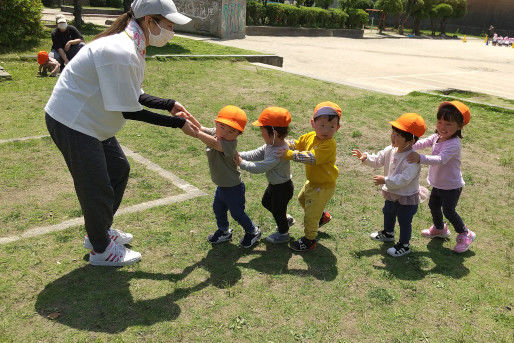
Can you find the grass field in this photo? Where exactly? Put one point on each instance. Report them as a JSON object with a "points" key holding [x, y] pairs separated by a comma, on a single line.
{"points": [[184, 290]]}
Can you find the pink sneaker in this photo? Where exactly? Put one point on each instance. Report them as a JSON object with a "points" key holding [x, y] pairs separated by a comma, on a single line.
{"points": [[464, 240], [433, 232]]}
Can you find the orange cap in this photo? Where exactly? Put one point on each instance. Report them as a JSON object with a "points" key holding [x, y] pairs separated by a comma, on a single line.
{"points": [[326, 108], [273, 116], [232, 116], [42, 57], [463, 109], [410, 122]]}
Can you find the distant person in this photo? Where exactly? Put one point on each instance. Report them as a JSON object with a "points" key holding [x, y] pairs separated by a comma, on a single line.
{"points": [[66, 41], [490, 34], [47, 64], [495, 39]]}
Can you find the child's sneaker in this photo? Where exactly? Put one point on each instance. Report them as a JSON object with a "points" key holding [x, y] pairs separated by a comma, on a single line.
{"points": [[398, 250], [250, 239], [434, 232], [220, 236], [290, 220], [464, 240], [278, 237], [116, 255], [382, 236], [325, 218], [115, 235], [303, 244]]}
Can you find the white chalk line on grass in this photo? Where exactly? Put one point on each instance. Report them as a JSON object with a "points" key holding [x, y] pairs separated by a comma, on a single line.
{"points": [[190, 193]]}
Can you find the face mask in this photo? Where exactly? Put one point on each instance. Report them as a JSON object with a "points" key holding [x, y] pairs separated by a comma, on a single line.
{"points": [[162, 38], [62, 26]]}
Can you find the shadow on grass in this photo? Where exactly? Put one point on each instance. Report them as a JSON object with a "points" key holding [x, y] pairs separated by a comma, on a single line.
{"points": [[99, 299], [413, 266]]}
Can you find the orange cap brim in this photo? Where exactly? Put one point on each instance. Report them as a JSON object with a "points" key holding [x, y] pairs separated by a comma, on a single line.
{"points": [[230, 123]]}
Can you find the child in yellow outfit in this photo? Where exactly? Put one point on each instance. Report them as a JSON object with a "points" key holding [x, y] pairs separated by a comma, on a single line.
{"points": [[317, 150]]}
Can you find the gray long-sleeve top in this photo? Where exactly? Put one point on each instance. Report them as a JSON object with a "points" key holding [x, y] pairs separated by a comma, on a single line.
{"points": [[263, 160]]}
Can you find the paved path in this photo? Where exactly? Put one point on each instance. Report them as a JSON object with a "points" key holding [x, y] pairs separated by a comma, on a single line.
{"points": [[395, 66], [392, 65]]}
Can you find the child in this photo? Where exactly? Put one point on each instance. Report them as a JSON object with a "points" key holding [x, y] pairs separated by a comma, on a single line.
{"points": [[444, 174], [221, 144], [317, 150], [274, 124], [46, 64], [400, 183]]}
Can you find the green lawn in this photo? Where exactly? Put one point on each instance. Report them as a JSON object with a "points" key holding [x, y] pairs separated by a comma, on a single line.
{"points": [[184, 290]]}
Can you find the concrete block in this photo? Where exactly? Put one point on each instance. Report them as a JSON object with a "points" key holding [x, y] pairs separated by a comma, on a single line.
{"points": [[302, 31], [225, 19]]}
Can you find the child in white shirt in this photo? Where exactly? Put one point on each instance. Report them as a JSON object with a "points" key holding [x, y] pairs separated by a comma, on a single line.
{"points": [[400, 183]]}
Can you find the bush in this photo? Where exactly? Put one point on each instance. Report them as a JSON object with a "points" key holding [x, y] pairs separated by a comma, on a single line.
{"points": [[357, 18], [255, 13], [19, 20], [275, 14], [51, 3]]}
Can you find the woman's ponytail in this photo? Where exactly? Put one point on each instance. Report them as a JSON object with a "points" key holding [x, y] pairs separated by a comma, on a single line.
{"points": [[117, 26]]}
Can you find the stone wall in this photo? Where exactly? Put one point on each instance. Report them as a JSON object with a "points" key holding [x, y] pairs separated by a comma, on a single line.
{"points": [[225, 19]]}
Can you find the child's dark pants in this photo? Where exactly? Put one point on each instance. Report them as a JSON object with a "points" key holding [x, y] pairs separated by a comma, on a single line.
{"points": [[404, 213], [447, 199], [275, 200]]}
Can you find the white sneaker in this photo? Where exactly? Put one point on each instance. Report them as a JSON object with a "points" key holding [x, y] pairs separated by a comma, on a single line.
{"points": [[116, 255], [117, 236]]}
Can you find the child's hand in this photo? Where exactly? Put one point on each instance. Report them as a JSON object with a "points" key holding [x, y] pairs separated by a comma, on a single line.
{"points": [[237, 159], [379, 179], [178, 108], [359, 155], [413, 157], [279, 153], [190, 129]]}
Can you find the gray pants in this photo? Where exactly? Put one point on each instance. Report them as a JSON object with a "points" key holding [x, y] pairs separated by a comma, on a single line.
{"points": [[100, 173]]}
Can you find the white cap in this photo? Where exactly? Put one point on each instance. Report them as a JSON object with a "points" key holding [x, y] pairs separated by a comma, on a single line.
{"points": [[60, 19], [166, 8]]}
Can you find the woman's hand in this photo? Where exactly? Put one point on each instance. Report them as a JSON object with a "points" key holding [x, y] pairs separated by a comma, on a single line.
{"points": [[379, 179], [413, 157], [178, 108], [190, 129], [189, 116], [359, 155]]}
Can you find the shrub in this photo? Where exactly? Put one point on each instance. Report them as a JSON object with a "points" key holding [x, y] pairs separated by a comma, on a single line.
{"points": [[292, 15], [255, 13], [275, 14], [339, 18], [19, 20], [357, 18]]}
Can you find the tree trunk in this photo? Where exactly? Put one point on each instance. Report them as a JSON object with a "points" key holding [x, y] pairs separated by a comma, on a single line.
{"points": [[417, 23], [77, 13], [432, 26], [443, 26]]}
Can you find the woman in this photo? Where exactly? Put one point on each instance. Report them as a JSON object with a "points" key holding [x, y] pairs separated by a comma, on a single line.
{"points": [[96, 93], [66, 41]]}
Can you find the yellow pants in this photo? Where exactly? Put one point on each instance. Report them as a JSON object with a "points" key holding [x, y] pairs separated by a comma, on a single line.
{"points": [[313, 200]]}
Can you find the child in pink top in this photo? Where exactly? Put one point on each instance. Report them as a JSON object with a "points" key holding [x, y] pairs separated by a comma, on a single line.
{"points": [[444, 174]]}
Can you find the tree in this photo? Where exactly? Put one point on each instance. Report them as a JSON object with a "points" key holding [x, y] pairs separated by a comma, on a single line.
{"points": [[411, 8], [443, 12], [389, 7], [20, 21], [362, 4], [77, 13]]}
